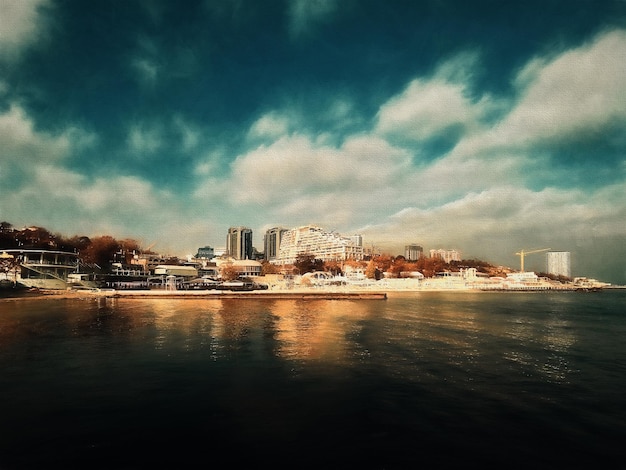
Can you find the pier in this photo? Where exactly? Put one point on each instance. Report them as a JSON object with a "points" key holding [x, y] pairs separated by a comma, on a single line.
{"points": [[219, 294]]}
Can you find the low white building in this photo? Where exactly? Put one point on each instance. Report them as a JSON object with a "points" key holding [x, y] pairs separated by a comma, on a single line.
{"points": [[244, 267]]}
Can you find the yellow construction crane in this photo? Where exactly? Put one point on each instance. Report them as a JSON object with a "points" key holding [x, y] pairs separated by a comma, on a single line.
{"points": [[522, 253]]}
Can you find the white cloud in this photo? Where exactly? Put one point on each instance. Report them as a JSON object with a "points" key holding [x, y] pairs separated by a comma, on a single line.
{"points": [[582, 89], [431, 106], [144, 138], [494, 223], [271, 125], [22, 145], [190, 134], [305, 14], [296, 167], [20, 25]]}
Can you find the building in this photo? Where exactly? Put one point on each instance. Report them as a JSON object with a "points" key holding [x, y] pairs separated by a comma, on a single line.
{"points": [[206, 252], [413, 252], [326, 246], [244, 267], [44, 269], [357, 240], [272, 241], [558, 263], [446, 255], [239, 243]]}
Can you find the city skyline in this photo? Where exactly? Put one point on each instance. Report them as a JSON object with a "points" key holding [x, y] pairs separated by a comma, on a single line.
{"points": [[487, 127]]}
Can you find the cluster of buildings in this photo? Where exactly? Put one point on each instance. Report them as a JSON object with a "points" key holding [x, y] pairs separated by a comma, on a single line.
{"points": [[282, 246]]}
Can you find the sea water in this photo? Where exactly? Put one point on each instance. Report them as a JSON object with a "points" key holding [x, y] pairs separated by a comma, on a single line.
{"points": [[419, 380]]}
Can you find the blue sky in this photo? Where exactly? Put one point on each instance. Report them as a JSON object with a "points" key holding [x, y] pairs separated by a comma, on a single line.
{"points": [[484, 126]]}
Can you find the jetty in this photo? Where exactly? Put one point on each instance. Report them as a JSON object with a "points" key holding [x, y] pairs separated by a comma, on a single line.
{"points": [[295, 294]]}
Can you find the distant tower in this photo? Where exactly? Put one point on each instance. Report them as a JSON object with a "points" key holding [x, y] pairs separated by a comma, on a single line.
{"points": [[239, 242], [558, 263], [413, 252], [272, 241], [357, 240]]}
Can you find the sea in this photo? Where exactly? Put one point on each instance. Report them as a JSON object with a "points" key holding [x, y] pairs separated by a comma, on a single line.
{"points": [[417, 380]]}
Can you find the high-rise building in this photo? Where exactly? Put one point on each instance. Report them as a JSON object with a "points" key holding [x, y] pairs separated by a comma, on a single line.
{"points": [[326, 246], [272, 241], [446, 255], [413, 252], [357, 240], [558, 263], [239, 243]]}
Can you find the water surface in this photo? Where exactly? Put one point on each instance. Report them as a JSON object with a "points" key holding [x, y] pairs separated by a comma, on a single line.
{"points": [[503, 379]]}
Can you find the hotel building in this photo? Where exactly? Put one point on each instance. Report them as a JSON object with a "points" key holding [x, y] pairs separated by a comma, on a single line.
{"points": [[272, 241], [326, 246], [239, 243]]}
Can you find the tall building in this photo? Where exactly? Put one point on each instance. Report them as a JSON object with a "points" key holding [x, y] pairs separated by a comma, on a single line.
{"points": [[446, 255], [327, 246], [558, 263], [272, 241], [357, 240], [239, 243], [413, 252]]}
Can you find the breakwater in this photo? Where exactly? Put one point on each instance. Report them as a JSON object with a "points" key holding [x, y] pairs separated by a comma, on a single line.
{"points": [[251, 295]]}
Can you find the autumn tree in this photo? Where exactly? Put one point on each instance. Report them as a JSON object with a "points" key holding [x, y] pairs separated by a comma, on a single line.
{"points": [[229, 272], [307, 263], [268, 268], [334, 267], [100, 251], [372, 271]]}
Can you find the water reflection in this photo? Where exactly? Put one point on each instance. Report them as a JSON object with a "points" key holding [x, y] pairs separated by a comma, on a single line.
{"points": [[317, 330]]}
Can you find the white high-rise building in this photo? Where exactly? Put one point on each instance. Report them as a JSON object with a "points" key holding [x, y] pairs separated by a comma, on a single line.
{"points": [[413, 252], [327, 246], [558, 263], [446, 255]]}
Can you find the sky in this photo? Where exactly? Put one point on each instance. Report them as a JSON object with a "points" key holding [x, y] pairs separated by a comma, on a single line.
{"points": [[488, 127]]}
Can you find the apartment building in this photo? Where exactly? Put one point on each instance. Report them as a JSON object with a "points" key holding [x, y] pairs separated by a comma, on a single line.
{"points": [[327, 246]]}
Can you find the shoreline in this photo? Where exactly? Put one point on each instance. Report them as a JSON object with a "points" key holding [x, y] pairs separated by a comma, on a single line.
{"points": [[278, 294]]}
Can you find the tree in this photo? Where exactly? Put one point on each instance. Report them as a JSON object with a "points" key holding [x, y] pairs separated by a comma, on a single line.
{"points": [[100, 251], [268, 268], [372, 272], [334, 267], [307, 263], [229, 272]]}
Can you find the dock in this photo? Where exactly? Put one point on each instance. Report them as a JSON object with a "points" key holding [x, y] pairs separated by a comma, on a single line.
{"points": [[249, 295]]}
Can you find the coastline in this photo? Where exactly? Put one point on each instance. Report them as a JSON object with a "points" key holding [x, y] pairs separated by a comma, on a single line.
{"points": [[276, 291]]}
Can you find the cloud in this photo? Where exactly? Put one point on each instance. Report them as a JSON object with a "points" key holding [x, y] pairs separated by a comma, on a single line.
{"points": [[304, 15], [22, 146], [144, 138], [296, 166], [20, 25], [271, 125], [493, 223], [580, 90], [429, 107]]}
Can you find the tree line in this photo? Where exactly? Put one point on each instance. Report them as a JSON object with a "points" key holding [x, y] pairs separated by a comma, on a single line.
{"points": [[99, 251]]}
